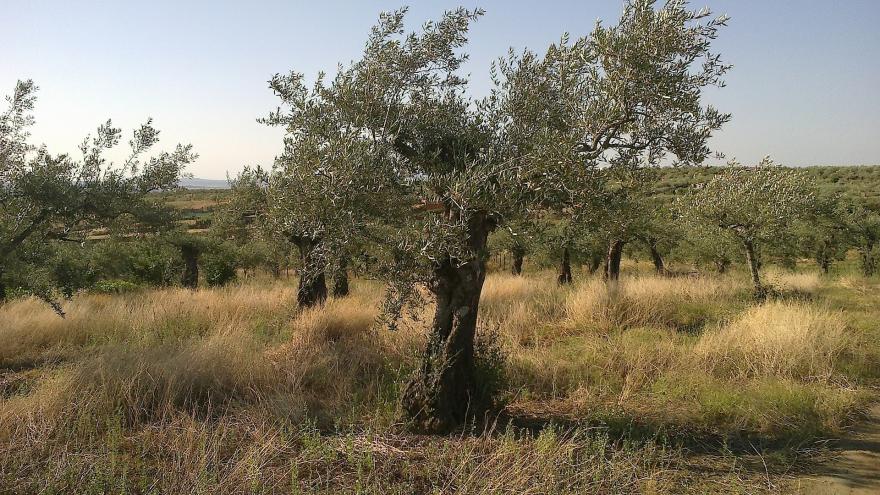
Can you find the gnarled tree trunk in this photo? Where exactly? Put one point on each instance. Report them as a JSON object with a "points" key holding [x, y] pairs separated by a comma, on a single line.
{"points": [[656, 257], [445, 392], [312, 289], [340, 278], [752, 260], [565, 268], [518, 253], [823, 258], [190, 254], [612, 260]]}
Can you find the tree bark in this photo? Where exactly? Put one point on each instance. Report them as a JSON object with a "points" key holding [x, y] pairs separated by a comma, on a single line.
{"points": [[312, 290], [752, 260], [869, 265], [656, 258], [612, 260], [823, 258], [190, 277], [340, 278], [446, 391], [518, 253], [565, 268]]}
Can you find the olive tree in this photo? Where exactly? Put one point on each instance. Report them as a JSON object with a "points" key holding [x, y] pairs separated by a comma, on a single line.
{"points": [[322, 189], [823, 234], [752, 204], [46, 197], [863, 226], [456, 168]]}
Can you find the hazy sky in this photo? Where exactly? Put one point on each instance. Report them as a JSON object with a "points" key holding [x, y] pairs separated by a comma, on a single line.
{"points": [[804, 87]]}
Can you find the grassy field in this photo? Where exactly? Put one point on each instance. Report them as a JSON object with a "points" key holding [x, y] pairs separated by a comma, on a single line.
{"points": [[655, 385]]}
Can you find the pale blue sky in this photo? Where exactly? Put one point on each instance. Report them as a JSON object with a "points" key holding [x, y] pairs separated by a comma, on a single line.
{"points": [[804, 87]]}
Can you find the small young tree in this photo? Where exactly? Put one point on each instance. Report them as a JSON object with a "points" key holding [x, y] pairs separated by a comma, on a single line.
{"points": [[752, 204], [46, 198]]}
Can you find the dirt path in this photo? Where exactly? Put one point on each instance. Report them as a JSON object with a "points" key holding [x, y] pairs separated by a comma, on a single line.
{"points": [[856, 468]]}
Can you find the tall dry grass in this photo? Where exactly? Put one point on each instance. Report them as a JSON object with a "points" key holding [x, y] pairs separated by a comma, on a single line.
{"points": [[786, 339], [646, 301], [201, 353], [802, 283], [31, 331], [235, 391], [521, 310]]}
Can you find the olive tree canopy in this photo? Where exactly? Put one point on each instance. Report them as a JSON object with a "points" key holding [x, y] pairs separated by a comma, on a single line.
{"points": [[398, 127], [752, 204], [46, 197]]}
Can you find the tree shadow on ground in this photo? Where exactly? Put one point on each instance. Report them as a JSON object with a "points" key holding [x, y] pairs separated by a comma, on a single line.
{"points": [[628, 428]]}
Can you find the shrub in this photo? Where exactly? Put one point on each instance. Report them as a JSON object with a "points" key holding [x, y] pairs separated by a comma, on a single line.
{"points": [[73, 269], [219, 265]]}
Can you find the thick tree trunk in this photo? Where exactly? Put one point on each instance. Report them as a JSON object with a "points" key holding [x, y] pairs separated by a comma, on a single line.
{"points": [[752, 260], [565, 268], [340, 278], [656, 258], [823, 259], [190, 254], [612, 260], [446, 391], [518, 253], [312, 290]]}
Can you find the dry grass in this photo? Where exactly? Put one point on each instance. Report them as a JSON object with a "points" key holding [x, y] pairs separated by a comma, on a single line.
{"points": [[790, 340], [31, 331], [646, 301], [805, 283], [521, 310], [232, 390]]}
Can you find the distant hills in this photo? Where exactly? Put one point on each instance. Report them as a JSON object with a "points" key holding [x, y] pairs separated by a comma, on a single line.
{"points": [[196, 183]]}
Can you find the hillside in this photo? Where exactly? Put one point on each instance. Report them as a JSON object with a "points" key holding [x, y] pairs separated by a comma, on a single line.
{"points": [[854, 181]]}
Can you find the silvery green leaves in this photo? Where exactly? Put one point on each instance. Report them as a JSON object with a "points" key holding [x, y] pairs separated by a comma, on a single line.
{"points": [[753, 203], [396, 128], [45, 198], [646, 82], [14, 124]]}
